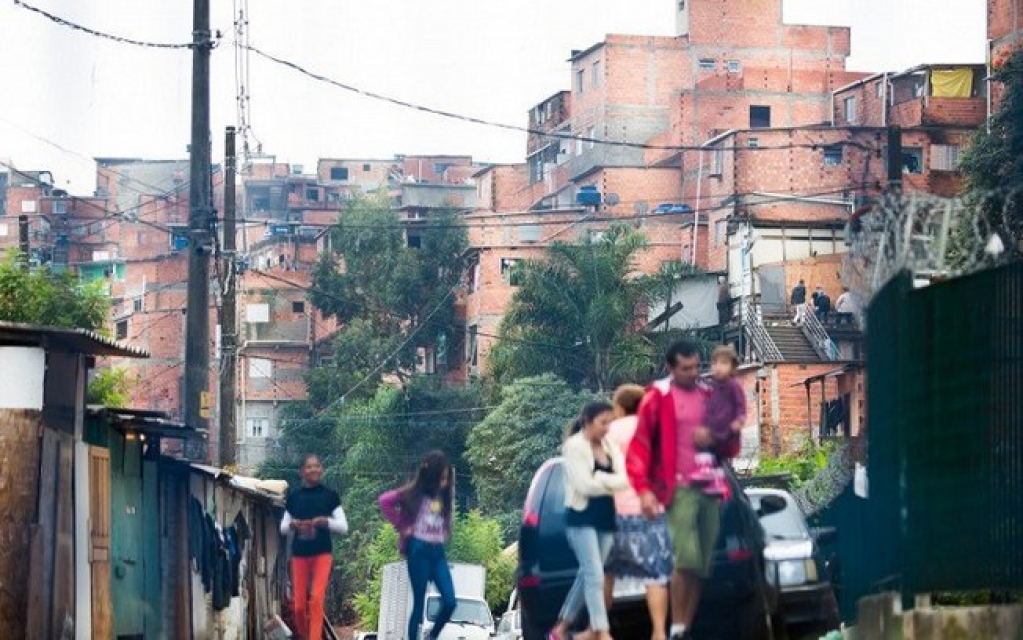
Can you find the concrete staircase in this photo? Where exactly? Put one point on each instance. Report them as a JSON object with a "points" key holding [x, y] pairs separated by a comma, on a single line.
{"points": [[790, 340]]}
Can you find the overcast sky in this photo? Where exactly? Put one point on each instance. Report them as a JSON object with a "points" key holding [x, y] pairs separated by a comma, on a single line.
{"points": [[482, 58]]}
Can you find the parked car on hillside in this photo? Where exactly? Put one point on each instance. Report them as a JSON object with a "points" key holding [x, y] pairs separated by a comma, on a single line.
{"points": [[738, 601], [796, 566]]}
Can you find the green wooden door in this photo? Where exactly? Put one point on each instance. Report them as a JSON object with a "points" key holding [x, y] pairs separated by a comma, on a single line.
{"points": [[127, 539]]}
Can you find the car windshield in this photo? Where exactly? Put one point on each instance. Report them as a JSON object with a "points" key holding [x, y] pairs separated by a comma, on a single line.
{"points": [[466, 611], [787, 524]]}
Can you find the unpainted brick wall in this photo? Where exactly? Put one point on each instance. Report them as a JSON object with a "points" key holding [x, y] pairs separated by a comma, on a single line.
{"points": [[19, 471]]}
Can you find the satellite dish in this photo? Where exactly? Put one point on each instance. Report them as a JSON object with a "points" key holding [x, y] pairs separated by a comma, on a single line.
{"points": [[641, 208], [611, 199]]}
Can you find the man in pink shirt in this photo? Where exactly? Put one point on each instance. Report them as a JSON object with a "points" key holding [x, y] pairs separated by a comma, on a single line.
{"points": [[660, 460]]}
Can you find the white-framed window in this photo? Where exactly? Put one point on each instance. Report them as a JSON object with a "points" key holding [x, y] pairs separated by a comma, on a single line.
{"points": [[28, 206], [257, 427], [580, 81], [261, 368], [753, 143], [708, 64], [912, 160], [945, 157], [4, 229], [598, 72], [734, 66], [60, 207], [719, 162], [850, 110]]}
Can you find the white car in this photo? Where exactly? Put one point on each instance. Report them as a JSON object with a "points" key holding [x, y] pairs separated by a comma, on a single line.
{"points": [[510, 627]]}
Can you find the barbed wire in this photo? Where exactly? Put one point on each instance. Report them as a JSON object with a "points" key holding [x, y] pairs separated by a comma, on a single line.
{"points": [[64, 22], [931, 236]]}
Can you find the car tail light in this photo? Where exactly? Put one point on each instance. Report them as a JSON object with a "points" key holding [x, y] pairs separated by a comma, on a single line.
{"points": [[529, 582], [531, 519]]}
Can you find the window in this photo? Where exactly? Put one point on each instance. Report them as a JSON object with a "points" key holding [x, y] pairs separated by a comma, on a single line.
{"points": [[260, 368], [257, 427], [734, 66], [4, 230], [912, 160], [366, 168], [28, 206], [298, 306], [474, 278], [529, 233], [753, 143], [720, 231], [580, 80], [879, 88], [598, 71], [833, 155], [121, 330], [471, 346], [591, 133], [719, 162], [326, 361], [60, 207], [945, 157], [313, 195], [708, 64], [413, 241], [137, 305], [339, 173], [759, 116], [511, 271], [850, 110]]}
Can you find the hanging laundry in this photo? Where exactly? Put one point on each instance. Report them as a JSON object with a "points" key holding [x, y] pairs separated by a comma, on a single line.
{"points": [[952, 83]]}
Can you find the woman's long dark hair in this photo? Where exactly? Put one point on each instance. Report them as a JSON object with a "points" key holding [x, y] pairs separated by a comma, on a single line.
{"points": [[589, 413], [426, 484]]}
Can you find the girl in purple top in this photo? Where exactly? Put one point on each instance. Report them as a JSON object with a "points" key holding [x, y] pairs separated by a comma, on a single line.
{"points": [[725, 417], [421, 511]]}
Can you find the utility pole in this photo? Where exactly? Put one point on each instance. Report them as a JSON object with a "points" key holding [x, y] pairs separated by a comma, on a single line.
{"points": [[228, 312], [197, 336], [23, 244], [894, 159]]}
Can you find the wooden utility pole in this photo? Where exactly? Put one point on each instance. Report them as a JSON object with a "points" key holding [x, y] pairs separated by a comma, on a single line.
{"points": [[228, 313], [23, 243], [197, 331]]}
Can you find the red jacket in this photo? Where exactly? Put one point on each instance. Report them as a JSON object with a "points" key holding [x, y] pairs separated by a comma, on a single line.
{"points": [[650, 461]]}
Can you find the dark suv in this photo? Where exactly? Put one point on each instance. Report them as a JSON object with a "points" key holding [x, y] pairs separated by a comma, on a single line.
{"points": [[738, 602]]}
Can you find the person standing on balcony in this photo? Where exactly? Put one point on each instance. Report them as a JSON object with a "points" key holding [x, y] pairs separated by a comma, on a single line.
{"points": [[798, 301], [846, 306]]}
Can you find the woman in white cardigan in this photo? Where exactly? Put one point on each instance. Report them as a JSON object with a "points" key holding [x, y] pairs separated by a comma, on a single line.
{"points": [[594, 470]]}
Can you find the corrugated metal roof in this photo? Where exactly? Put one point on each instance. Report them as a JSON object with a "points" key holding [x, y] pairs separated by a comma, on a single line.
{"points": [[64, 339], [155, 423]]}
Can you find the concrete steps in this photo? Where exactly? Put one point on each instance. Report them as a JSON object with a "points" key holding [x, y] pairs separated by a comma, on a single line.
{"points": [[790, 340]]}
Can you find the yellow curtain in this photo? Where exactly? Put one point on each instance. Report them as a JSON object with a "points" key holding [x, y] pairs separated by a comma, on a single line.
{"points": [[952, 83]]}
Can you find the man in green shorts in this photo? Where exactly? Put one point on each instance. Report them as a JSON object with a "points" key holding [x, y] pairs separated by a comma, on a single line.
{"points": [[660, 460]]}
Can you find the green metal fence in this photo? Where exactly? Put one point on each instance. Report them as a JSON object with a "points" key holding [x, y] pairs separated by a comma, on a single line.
{"points": [[945, 441]]}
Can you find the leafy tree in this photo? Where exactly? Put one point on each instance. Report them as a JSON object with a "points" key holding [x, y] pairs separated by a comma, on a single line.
{"points": [[575, 314], [391, 287], [993, 164], [110, 387], [526, 428], [45, 297]]}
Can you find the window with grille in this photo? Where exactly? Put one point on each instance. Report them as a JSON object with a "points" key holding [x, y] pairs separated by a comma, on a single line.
{"points": [[833, 155], [945, 157]]}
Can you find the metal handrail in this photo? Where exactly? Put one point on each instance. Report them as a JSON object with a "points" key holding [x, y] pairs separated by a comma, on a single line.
{"points": [[818, 336], [761, 339]]}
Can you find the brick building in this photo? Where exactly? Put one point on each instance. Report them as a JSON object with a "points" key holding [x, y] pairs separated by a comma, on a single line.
{"points": [[1005, 35]]}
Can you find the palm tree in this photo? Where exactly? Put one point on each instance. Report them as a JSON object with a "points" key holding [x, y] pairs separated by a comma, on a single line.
{"points": [[576, 314]]}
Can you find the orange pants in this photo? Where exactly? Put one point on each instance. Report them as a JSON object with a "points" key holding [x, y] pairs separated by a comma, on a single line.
{"points": [[309, 576]]}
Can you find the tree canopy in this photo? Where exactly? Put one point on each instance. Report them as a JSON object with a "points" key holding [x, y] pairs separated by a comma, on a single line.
{"points": [[993, 164], [46, 297], [575, 314], [391, 286], [509, 445]]}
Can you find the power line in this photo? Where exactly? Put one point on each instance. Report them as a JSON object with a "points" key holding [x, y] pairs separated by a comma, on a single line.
{"points": [[64, 22], [294, 66]]}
